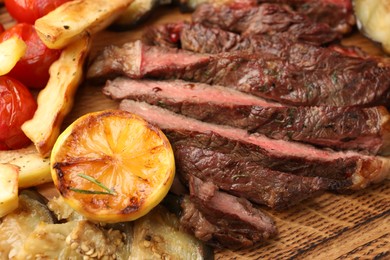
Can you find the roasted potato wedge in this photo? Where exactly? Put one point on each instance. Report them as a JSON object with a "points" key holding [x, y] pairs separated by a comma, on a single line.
{"points": [[191, 5], [56, 99], [134, 14], [11, 51], [76, 19], [373, 18], [33, 168], [9, 188]]}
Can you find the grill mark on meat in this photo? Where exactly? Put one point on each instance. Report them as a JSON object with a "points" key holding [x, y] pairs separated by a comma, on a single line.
{"points": [[348, 81], [337, 14], [223, 220], [266, 19], [229, 169], [198, 38], [278, 155], [338, 127]]}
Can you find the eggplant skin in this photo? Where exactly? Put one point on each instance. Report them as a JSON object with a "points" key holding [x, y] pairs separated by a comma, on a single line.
{"points": [[159, 234], [135, 14], [373, 20], [31, 211]]}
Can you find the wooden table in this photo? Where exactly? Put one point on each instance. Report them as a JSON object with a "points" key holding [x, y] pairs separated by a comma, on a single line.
{"points": [[332, 226]]}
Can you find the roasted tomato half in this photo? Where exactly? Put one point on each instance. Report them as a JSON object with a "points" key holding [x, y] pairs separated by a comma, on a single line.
{"points": [[33, 69], [27, 11], [16, 106]]}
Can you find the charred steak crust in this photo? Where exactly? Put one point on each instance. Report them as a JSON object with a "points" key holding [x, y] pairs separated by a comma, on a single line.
{"points": [[277, 155], [348, 81], [265, 19], [337, 14], [337, 127], [233, 170], [223, 220]]}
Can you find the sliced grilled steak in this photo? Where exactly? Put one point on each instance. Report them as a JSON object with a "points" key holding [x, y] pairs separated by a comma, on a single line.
{"points": [[179, 91], [337, 127], [268, 19], [337, 14], [199, 38], [241, 175], [278, 155], [223, 220], [347, 81]]}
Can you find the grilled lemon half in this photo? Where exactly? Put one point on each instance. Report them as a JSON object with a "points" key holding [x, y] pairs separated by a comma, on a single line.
{"points": [[112, 166]]}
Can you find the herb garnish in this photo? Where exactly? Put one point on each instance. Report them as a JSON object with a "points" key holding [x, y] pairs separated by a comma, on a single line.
{"points": [[93, 180]]}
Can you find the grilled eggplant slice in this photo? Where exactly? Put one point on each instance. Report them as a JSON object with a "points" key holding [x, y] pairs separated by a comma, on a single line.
{"points": [[62, 210], [157, 235], [17, 226], [48, 241]]}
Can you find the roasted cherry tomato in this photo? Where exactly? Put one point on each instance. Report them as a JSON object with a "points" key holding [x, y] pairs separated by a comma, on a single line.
{"points": [[27, 11], [1, 28], [16, 106], [33, 69]]}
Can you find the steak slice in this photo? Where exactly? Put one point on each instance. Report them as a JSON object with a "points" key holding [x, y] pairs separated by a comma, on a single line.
{"points": [[223, 220], [204, 156], [277, 155], [347, 81], [337, 127], [337, 14], [199, 38], [268, 19]]}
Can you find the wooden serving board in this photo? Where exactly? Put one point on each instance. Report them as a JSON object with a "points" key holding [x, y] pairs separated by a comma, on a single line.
{"points": [[332, 226]]}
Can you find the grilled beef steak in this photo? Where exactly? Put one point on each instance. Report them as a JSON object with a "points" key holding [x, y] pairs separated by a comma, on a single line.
{"points": [[223, 220], [277, 155], [348, 81], [199, 38], [265, 19], [338, 127], [337, 14], [241, 174]]}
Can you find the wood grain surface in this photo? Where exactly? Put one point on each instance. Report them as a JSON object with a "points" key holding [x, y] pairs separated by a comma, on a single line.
{"points": [[332, 226]]}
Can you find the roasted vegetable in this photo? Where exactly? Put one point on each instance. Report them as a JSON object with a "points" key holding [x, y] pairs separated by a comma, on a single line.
{"points": [[56, 99], [9, 188], [62, 210], [76, 19], [373, 19], [33, 168], [190, 5], [158, 236], [11, 51], [17, 226], [137, 12], [48, 241]]}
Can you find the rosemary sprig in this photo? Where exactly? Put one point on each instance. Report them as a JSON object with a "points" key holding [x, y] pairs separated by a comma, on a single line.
{"points": [[91, 191], [98, 183]]}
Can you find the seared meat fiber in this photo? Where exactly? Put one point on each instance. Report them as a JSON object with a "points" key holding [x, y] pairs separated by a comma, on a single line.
{"points": [[268, 19], [278, 155], [233, 168], [347, 81], [223, 220], [337, 127], [199, 38], [337, 14]]}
